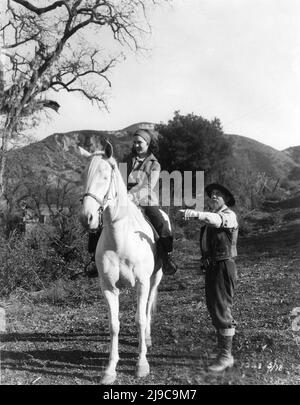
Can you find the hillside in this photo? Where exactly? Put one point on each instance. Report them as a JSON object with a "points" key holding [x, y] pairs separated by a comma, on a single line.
{"points": [[260, 157], [58, 157], [294, 153], [60, 151]]}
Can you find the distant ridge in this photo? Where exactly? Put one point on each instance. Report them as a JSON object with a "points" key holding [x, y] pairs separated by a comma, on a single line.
{"points": [[58, 156], [142, 125], [294, 153], [260, 157]]}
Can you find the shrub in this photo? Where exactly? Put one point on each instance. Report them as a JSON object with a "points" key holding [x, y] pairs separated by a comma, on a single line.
{"points": [[290, 216], [256, 220], [294, 173], [20, 265], [244, 227], [48, 253]]}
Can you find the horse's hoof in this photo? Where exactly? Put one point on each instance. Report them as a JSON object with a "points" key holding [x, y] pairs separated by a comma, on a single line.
{"points": [[108, 379], [142, 370]]}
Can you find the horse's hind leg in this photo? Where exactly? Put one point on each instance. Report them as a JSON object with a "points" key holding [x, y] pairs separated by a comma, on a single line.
{"points": [[112, 298], [155, 280], [142, 367]]}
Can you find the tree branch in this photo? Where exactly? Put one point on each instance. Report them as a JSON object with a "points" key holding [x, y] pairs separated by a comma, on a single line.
{"points": [[21, 42], [89, 96], [53, 105], [42, 10]]}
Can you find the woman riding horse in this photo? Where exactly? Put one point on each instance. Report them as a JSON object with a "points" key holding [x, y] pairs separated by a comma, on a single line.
{"points": [[126, 253], [144, 169]]}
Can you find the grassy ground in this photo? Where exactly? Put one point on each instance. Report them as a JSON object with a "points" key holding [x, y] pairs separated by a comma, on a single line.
{"points": [[60, 335]]}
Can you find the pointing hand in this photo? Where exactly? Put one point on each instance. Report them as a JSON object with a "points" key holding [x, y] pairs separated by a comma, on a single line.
{"points": [[187, 214]]}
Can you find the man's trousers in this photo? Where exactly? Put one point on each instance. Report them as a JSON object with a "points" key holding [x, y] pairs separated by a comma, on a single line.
{"points": [[220, 281]]}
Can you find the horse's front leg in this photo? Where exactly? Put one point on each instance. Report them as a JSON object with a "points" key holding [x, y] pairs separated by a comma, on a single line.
{"points": [[142, 368], [112, 298]]}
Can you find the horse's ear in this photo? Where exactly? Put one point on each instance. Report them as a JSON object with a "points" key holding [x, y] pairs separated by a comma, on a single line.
{"points": [[109, 150], [84, 152]]}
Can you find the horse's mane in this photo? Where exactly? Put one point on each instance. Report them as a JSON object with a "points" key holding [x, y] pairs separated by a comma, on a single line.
{"points": [[122, 196]]}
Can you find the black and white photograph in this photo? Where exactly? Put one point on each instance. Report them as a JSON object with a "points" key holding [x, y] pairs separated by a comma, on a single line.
{"points": [[149, 195]]}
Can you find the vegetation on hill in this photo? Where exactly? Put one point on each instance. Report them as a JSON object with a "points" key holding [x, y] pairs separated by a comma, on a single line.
{"points": [[256, 155], [294, 153]]}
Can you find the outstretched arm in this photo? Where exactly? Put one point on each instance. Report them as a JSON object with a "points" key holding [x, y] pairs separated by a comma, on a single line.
{"points": [[209, 218], [224, 219]]}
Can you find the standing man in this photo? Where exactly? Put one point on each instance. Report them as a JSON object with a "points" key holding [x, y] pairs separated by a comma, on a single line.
{"points": [[218, 238]]}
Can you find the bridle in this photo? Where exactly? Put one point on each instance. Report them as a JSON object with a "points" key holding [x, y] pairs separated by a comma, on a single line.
{"points": [[102, 203]]}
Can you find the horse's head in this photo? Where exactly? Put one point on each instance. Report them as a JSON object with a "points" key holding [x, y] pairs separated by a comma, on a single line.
{"points": [[98, 186]]}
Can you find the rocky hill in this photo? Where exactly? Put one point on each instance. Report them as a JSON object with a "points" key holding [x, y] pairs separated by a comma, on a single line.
{"points": [[60, 153], [58, 156]]}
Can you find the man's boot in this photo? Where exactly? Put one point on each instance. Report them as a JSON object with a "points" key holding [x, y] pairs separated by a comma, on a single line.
{"points": [[225, 358], [216, 349]]}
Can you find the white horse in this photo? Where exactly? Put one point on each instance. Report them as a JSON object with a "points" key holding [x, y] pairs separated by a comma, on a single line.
{"points": [[126, 252]]}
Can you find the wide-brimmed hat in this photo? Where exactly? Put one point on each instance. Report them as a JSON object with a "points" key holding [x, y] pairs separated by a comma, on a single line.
{"points": [[224, 190]]}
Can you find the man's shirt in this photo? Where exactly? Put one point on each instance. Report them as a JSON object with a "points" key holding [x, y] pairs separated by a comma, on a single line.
{"points": [[224, 218]]}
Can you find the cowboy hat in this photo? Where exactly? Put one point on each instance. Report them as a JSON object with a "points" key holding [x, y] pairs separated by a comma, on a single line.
{"points": [[224, 190]]}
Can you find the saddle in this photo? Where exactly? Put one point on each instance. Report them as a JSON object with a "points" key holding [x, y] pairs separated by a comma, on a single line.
{"points": [[155, 233]]}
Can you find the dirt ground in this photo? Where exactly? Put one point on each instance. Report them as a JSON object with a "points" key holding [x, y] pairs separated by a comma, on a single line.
{"points": [[60, 336]]}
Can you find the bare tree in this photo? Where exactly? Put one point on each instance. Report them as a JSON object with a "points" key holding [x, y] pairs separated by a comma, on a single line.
{"points": [[60, 46]]}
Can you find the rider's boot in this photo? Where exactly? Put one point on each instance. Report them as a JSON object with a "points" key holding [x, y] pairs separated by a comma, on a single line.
{"points": [[169, 266], [90, 269]]}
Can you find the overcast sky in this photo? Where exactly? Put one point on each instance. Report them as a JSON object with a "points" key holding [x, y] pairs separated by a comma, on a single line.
{"points": [[238, 60]]}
